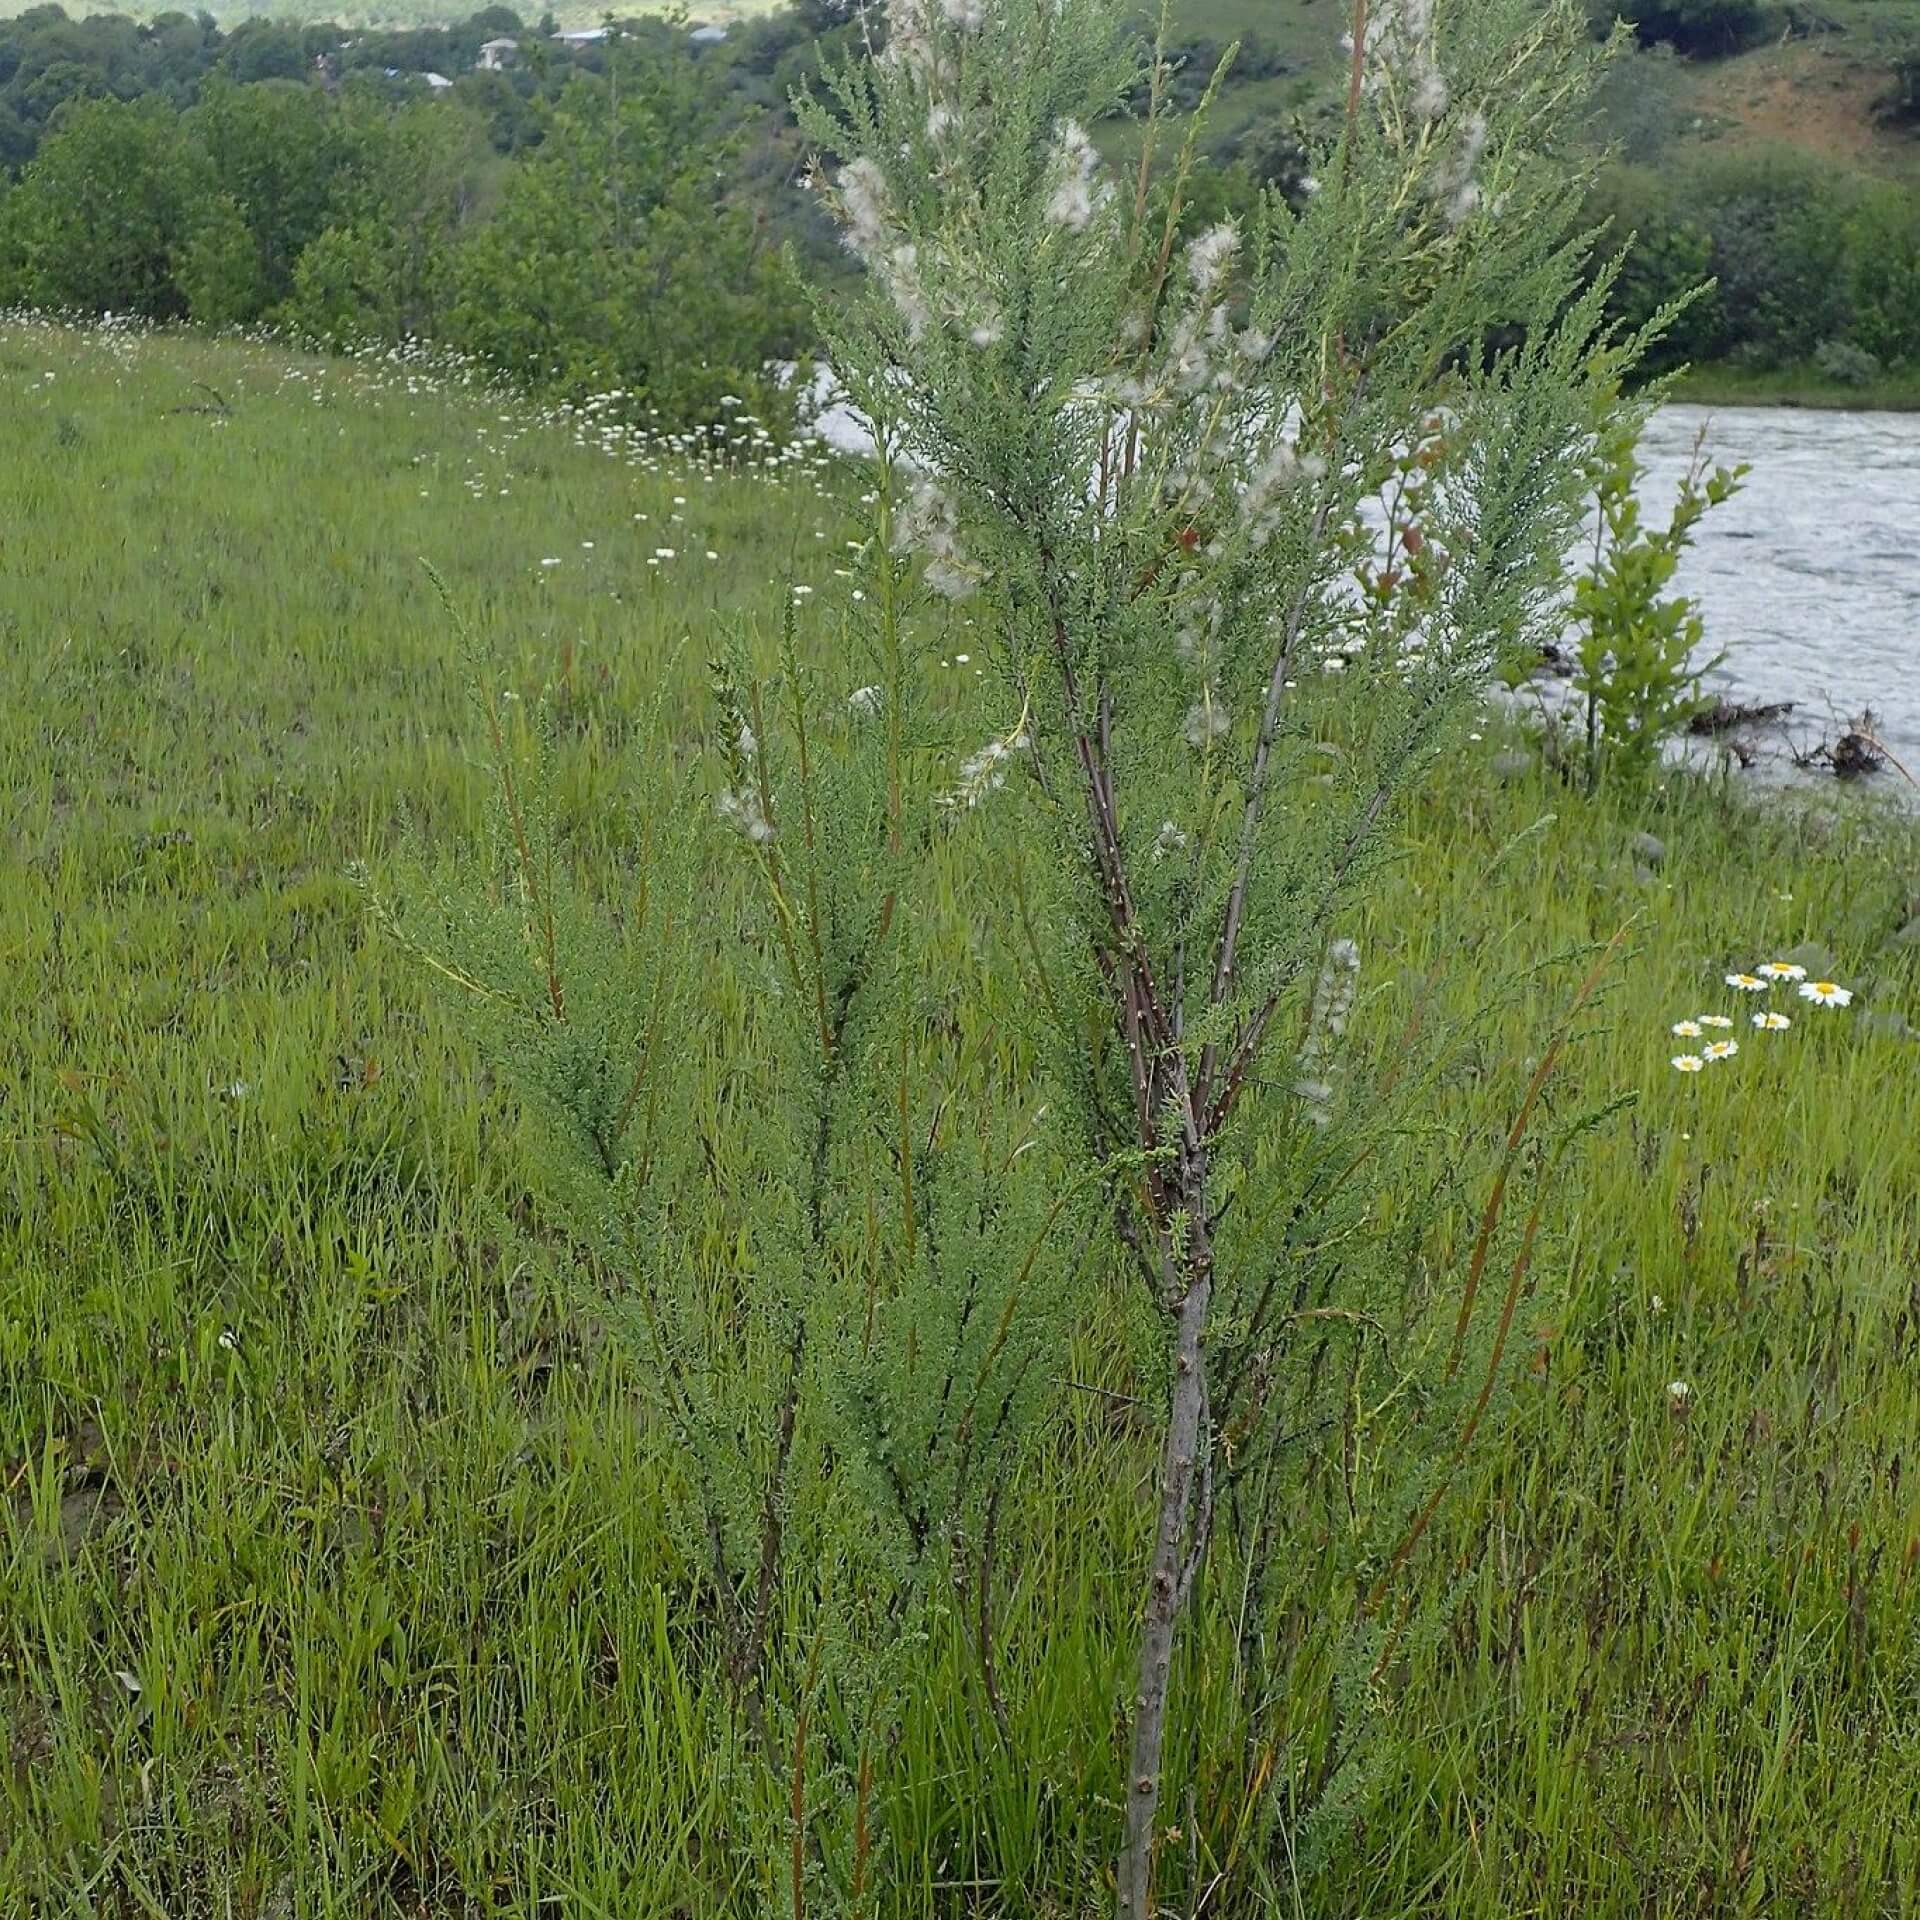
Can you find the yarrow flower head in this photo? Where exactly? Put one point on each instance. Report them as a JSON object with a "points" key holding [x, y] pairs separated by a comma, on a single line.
{"points": [[1747, 982], [1688, 1063], [1772, 1022], [1826, 993]]}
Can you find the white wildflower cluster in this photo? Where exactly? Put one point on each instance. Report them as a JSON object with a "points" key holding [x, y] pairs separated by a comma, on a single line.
{"points": [[870, 233], [1168, 841], [1078, 192], [1210, 257], [740, 808], [1333, 997], [1454, 185], [1400, 56], [1275, 475], [1203, 350], [865, 701], [1198, 634], [985, 772], [914, 33], [930, 525], [866, 209], [1775, 973], [980, 319], [1401, 69], [1204, 359]]}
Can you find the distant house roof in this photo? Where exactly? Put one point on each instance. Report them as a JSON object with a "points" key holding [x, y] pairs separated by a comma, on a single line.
{"points": [[707, 36], [436, 80], [581, 36], [499, 46]]}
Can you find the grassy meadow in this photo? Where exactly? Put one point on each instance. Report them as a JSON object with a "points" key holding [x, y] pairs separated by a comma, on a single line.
{"points": [[335, 1578]]}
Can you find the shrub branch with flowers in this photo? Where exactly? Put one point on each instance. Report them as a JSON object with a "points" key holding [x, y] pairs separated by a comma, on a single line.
{"points": [[1147, 452]]}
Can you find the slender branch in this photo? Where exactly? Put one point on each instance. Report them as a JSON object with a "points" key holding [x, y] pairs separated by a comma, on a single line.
{"points": [[1247, 1049], [1277, 680], [813, 868]]}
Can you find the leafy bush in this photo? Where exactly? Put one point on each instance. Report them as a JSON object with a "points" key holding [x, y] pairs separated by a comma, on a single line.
{"points": [[1778, 224], [1797, 253], [611, 262], [106, 215], [1638, 675], [1883, 282], [1668, 260], [1903, 103], [1842, 361]]}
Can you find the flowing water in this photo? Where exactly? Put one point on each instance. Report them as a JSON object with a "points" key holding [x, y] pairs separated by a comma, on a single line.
{"points": [[1809, 578]]}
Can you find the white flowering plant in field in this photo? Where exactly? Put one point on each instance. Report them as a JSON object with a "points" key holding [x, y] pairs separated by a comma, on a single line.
{"points": [[1157, 460]]}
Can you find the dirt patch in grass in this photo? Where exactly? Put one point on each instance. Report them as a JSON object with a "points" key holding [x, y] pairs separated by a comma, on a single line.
{"points": [[1820, 98]]}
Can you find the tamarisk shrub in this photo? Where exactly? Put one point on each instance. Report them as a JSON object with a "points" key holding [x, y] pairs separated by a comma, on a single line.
{"points": [[1147, 452]]}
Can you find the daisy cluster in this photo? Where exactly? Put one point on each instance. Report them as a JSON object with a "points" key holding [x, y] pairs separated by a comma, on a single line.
{"points": [[1763, 979]]}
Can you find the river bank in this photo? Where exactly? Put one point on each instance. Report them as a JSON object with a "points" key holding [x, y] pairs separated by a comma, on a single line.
{"points": [[1722, 386]]}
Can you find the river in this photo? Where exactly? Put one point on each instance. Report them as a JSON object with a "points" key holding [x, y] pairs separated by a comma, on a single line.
{"points": [[1809, 578]]}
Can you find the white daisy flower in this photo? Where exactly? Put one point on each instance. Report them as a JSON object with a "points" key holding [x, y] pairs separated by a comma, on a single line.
{"points": [[1825, 993], [1747, 982], [1772, 1022], [1722, 1049], [1688, 1063], [1782, 970], [1715, 1020], [1686, 1029]]}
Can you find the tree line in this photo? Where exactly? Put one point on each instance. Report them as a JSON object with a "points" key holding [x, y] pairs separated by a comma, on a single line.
{"points": [[603, 233], [626, 213]]}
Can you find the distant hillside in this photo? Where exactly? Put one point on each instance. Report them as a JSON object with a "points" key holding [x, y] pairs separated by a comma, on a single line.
{"points": [[1810, 74], [1816, 77]]}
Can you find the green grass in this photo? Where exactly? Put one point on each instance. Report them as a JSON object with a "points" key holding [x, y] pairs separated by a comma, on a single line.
{"points": [[1721, 386], [307, 1435]]}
